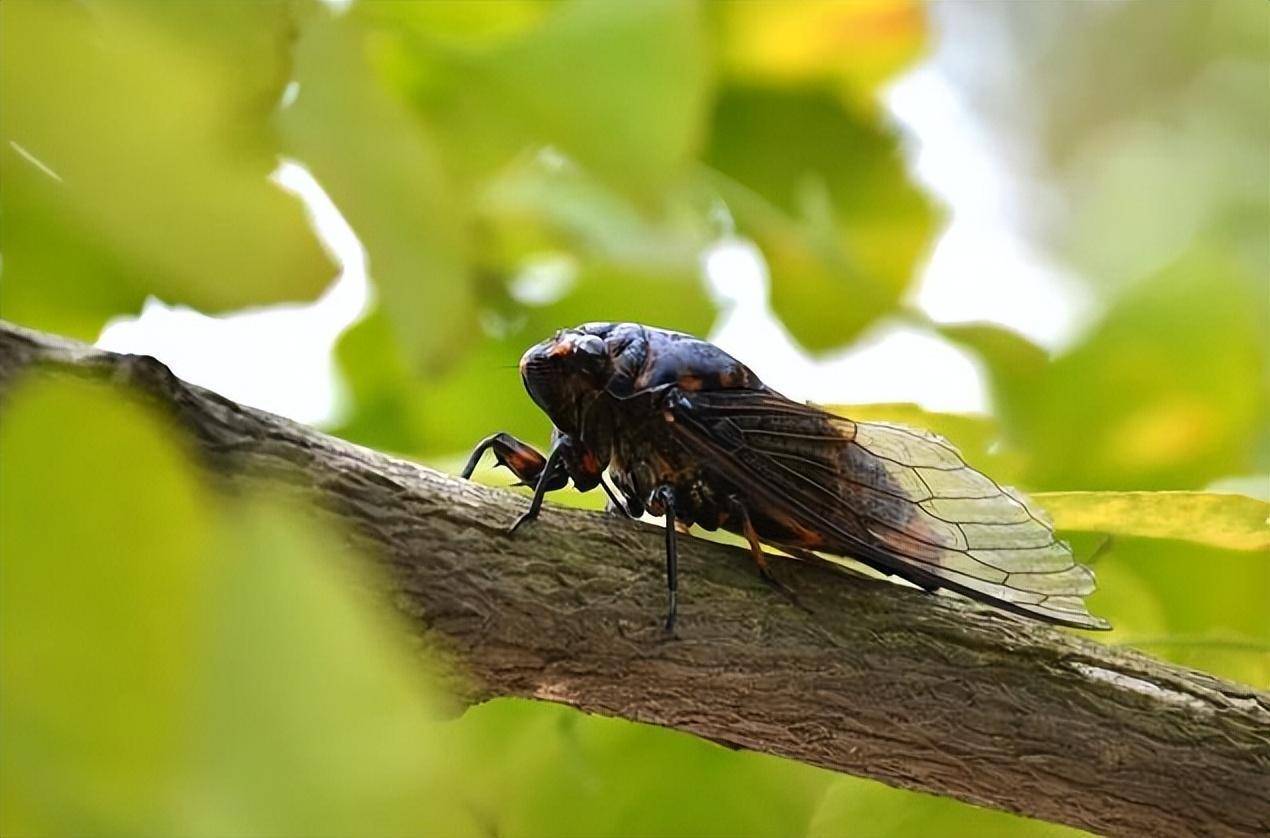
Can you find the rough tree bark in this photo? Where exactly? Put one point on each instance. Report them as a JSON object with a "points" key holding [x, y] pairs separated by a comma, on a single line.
{"points": [[919, 691]]}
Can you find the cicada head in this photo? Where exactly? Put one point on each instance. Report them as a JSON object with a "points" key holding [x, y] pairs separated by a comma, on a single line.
{"points": [[563, 374]]}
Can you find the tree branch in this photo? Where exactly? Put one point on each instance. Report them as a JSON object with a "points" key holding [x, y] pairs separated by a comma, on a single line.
{"points": [[919, 691]]}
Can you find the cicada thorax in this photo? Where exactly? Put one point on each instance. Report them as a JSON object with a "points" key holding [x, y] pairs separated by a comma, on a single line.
{"points": [[646, 456], [651, 369]]}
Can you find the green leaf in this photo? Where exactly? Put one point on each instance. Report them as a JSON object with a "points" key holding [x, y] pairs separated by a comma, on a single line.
{"points": [[136, 155], [174, 665], [101, 544], [1167, 392], [384, 170], [852, 806], [1192, 604], [537, 769], [629, 103], [397, 410], [314, 715], [621, 89], [544, 206], [822, 190], [1233, 522]]}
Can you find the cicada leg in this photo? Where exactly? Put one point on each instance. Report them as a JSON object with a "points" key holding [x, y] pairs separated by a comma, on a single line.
{"points": [[760, 558], [545, 483], [666, 495], [615, 505], [521, 458], [543, 473]]}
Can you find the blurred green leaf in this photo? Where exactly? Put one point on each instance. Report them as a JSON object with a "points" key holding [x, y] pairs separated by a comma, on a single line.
{"points": [[1166, 392], [853, 806], [102, 548], [597, 776], [545, 204], [394, 409], [459, 24], [823, 192], [176, 666], [1188, 603], [1234, 522], [136, 156], [642, 123], [313, 716], [384, 170], [619, 88]]}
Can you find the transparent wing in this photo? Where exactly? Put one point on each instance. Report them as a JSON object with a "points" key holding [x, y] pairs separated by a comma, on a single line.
{"points": [[900, 499]]}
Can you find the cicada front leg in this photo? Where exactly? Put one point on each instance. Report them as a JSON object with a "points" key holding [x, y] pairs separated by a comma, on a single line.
{"points": [[531, 467], [547, 481], [521, 458]]}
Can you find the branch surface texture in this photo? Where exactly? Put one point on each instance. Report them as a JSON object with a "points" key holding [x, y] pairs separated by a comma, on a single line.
{"points": [[873, 679]]}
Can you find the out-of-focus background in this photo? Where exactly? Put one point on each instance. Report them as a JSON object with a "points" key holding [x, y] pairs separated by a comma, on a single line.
{"points": [[1042, 229]]}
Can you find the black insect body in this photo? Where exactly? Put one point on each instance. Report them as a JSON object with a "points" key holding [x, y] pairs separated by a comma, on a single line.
{"points": [[687, 432]]}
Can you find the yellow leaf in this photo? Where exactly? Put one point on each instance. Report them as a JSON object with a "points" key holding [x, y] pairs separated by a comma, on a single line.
{"points": [[1234, 522], [859, 44]]}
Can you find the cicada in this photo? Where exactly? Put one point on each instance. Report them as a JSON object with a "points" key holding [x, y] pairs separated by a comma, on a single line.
{"points": [[686, 432]]}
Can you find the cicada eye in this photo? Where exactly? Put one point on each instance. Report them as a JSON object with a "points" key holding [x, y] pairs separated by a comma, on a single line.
{"points": [[590, 345]]}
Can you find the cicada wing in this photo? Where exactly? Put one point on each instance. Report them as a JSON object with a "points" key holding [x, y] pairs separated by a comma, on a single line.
{"points": [[900, 499]]}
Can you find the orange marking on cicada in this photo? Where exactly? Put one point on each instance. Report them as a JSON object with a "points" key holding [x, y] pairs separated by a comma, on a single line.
{"points": [[692, 383]]}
